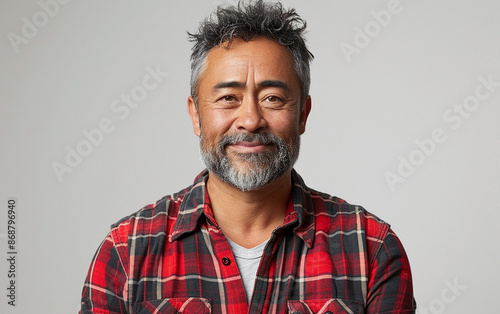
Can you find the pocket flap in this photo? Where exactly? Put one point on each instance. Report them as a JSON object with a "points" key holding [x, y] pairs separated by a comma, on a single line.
{"points": [[324, 306], [174, 305]]}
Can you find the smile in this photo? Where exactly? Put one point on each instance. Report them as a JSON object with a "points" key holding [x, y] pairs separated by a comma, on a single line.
{"points": [[248, 147]]}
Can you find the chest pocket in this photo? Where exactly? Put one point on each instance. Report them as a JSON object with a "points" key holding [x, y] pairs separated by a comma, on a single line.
{"points": [[324, 306], [174, 305]]}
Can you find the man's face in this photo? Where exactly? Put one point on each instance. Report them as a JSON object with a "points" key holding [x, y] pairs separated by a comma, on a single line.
{"points": [[249, 115]]}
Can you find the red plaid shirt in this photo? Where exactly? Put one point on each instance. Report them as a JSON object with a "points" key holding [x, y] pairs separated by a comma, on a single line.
{"points": [[327, 257]]}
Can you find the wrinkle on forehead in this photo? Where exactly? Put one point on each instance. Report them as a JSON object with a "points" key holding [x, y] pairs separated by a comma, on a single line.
{"points": [[251, 62]]}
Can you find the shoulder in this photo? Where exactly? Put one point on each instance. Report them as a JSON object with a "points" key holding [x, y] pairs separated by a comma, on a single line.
{"points": [[334, 214], [342, 215], [357, 229], [151, 220]]}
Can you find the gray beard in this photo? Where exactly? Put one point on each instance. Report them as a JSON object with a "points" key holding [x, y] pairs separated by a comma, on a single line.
{"points": [[261, 168]]}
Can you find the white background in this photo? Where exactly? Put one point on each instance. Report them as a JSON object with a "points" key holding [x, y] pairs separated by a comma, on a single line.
{"points": [[367, 114]]}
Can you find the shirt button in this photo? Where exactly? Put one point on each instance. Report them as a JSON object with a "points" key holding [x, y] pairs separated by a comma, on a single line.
{"points": [[329, 312], [226, 261]]}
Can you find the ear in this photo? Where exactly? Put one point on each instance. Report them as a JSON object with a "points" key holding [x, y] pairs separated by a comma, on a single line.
{"points": [[194, 115], [306, 108]]}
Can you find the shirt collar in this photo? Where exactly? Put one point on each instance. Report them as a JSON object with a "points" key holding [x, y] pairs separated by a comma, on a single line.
{"points": [[303, 209], [196, 204]]}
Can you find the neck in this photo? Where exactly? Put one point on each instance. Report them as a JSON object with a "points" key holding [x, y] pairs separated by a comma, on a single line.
{"points": [[248, 218]]}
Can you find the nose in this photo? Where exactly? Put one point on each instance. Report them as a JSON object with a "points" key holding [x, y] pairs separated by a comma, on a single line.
{"points": [[250, 116]]}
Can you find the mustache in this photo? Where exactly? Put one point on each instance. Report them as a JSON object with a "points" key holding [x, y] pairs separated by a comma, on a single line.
{"points": [[263, 138]]}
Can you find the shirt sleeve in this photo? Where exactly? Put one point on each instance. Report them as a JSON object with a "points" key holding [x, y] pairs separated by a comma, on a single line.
{"points": [[105, 286], [390, 289]]}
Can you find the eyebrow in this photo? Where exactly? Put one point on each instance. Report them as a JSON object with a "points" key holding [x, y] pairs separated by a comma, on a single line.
{"points": [[266, 83], [230, 84], [274, 83]]}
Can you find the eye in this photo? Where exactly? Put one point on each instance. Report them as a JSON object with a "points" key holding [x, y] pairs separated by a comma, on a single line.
{"points": [[273, 99], [228, 98], [228, 101]]}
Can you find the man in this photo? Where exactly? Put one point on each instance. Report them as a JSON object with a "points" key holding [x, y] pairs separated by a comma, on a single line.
{"points": [[249, 236]]}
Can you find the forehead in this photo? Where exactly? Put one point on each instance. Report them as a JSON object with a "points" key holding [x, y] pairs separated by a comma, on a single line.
{"points": [[259, 59]]}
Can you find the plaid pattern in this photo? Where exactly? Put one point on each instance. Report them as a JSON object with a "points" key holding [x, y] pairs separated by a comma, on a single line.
{"points": [[171, 257]]}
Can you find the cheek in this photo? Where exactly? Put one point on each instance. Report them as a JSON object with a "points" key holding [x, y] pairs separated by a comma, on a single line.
{"points": [[215, 122], [285, 126], [214, 125]]}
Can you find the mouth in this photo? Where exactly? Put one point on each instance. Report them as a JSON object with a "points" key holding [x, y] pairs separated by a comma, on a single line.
{"points": [[245, 147]]}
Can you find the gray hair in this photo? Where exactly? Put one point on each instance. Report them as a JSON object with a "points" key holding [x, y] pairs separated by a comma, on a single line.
{"points": [[247, 21]]}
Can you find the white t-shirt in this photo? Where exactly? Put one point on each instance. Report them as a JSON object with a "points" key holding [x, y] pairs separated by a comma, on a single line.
{"points": [[248, 261]]}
